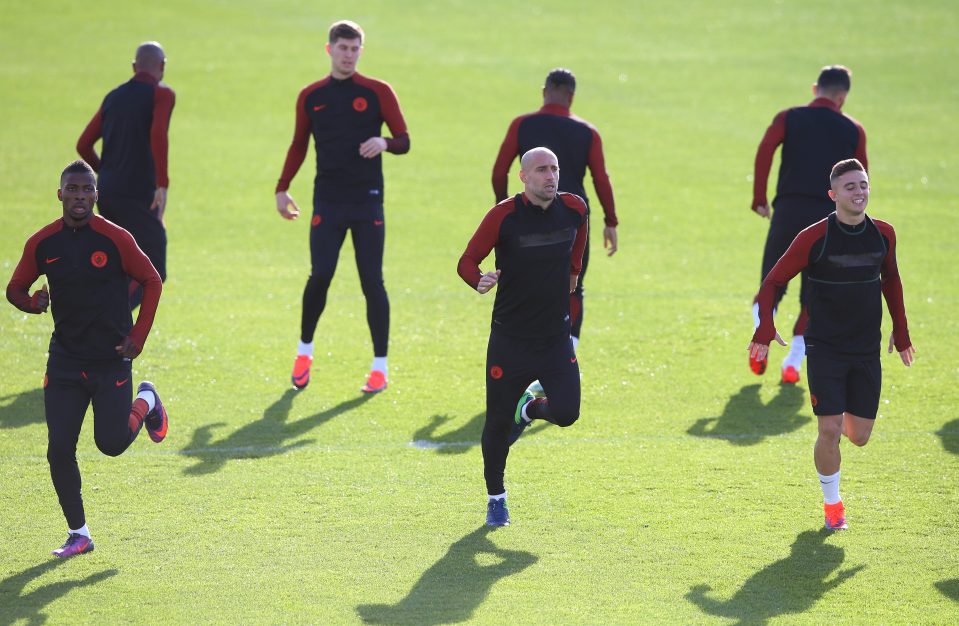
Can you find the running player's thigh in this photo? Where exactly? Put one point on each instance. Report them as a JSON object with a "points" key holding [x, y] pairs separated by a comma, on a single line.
{"points": [[65, 401], [559, 375], [507, 377], [112, 398], [827, 385], [863, 388]]}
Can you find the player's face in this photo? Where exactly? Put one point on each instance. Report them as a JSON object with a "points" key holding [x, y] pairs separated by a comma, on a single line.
{"points": [[541, 178], [344, 56], [78, 193], [851, 194]]}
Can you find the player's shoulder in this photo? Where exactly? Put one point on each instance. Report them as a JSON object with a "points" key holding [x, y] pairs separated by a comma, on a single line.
{"points": [[815, 231], [375, 84], [323, 82], [573, 201], [853, 120], [102, 225], [884, 227], [44, 233], [504, 207], [165, 89]]}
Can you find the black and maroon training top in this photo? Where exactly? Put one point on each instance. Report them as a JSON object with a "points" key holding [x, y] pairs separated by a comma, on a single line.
{"points": [[133, 120], [342, 114], [537, 250], [88, 270], [575, 142], [850, 269], [814, 138]]}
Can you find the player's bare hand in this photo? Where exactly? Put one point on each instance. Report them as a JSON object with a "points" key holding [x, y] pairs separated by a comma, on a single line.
{"points": [[159, 202], [908, 355], [286, 205], [372, 147], [761, 210], [759, 351], [40, 299], [610, 240], [128, 349], [487, 281]]}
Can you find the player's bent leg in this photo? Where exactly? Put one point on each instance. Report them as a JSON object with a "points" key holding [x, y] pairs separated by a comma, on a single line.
{"points": [[857, 429], [826, 451]]}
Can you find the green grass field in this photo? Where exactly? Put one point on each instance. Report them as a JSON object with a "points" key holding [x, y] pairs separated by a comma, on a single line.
{"points": [[685, 494]]}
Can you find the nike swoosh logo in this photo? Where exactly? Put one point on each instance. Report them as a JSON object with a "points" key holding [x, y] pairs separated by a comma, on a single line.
{"points": [[54, 259], [319, 107], [120, 383], [377, 222]]}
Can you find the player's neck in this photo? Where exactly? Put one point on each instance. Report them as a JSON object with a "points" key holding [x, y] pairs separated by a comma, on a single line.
{"points": [[850, 219]]}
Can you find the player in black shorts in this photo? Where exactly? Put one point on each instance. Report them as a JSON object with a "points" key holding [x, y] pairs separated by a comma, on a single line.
{"points": [[539, 237], [850, 261], [89, 262]]}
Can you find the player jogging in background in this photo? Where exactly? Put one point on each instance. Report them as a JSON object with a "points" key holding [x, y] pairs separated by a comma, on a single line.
{"points": [[88, 262], [344, 113], [133, 122], [850, 262], [577, 145], [813, 138], [539, 237]]}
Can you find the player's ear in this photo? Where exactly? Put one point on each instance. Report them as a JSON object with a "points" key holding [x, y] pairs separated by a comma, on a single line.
{"points": [[832, 195], [327, 47], [60, 195]]}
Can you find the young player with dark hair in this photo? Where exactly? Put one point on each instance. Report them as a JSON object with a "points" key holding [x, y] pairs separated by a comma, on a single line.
{"points": [[539, 237], [89, 262], [578, 146], [850, 262], [345, 113], [133, 121], [813, 138]]}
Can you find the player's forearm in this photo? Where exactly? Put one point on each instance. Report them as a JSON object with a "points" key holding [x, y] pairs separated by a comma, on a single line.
{"points": [[399, 144], [892, 292], [469, 271], [19, 296]]}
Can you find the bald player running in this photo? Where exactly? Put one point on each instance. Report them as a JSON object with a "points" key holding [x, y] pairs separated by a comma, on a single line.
{"points": [[133, 121], [539, 237]]}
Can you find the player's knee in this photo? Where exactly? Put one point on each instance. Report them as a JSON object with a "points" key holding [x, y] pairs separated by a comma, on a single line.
{"points": [[858, 439], [58, 453], [373, 287], [830, 429], [112, 446], [565, 418]]}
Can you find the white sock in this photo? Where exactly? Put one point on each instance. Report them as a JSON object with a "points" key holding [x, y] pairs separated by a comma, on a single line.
{"points": [[575, 341], [149, 397], [522, 413], [830, 488], [797, 351], [379, 364], [305, 348], [501, 496], [83, 530]]}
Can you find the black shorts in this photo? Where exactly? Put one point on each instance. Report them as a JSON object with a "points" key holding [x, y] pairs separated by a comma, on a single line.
{"points": [[837, 387]]}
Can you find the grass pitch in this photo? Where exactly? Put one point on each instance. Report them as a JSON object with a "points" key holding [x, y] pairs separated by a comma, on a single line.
{"points": [[685, 494]]}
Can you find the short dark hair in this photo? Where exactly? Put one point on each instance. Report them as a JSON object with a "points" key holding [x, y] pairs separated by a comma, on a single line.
{"points": [[345, 29], [845, 166], [78, 167], [561, 78], [834, 78]]}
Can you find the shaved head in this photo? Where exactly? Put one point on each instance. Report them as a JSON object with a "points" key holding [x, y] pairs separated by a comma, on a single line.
{"points": [[149, 58], [527, 160]]}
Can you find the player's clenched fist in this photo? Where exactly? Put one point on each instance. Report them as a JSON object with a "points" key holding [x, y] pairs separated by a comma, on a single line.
{"points": [[40, 299]]}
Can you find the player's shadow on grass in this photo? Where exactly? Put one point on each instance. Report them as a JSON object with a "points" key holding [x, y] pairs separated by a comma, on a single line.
{"points": [[949, 433], [17, 606], [747, 421], [453, 587], [461, 439], [789, 586], [270, 435], [22, 409], [949, 588]]}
